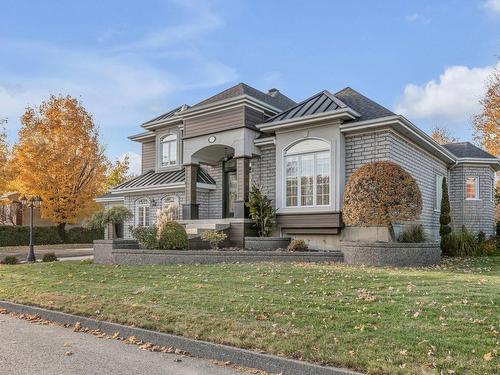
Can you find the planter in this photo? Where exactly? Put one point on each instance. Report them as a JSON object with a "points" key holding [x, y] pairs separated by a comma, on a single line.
{"points": [[391, 253], [266, 243]]}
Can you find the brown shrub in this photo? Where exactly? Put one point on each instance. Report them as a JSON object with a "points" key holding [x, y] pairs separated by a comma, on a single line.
{"points": [[381, 193]]}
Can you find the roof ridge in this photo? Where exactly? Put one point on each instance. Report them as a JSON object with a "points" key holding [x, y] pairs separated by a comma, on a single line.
{"points": [[297, 105]]}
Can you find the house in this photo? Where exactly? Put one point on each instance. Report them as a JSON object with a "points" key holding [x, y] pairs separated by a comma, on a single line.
{"points": [[203, 160], [12, 213]]}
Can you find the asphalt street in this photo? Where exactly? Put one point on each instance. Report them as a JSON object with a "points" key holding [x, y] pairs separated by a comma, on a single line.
{"points": [[31, 348]]}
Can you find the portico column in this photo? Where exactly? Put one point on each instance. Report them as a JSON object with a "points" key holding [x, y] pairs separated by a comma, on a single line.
{"points": [[190, 208], [243, 186]]}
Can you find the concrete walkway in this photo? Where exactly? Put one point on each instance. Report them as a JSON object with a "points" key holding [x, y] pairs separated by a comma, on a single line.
{"points": [[30, 348]]}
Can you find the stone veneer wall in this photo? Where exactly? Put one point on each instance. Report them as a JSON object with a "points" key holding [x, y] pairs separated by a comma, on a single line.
{"points": [[264, 171], [479, 214], [130, 204], [424, 167], [215, 196]]}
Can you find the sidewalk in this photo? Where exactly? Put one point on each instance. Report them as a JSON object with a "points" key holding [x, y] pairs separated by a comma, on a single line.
{"points": [[61, 250]]}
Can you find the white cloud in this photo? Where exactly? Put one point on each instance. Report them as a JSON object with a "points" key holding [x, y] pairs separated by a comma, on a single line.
{"points": [[122, 86], [454, 97], [135, 162], [493, 6], [417, 17]]}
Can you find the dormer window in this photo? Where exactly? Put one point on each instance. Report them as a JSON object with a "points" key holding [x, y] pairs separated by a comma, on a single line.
{"points": [[168, 149]]}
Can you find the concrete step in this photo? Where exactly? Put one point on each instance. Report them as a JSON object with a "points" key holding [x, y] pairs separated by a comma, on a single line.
{"points": [[198, 228]]}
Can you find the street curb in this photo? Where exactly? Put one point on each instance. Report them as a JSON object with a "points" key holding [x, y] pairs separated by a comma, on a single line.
{"points": [[202, 349]]}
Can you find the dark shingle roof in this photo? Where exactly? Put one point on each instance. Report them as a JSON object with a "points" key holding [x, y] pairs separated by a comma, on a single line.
{"points": [[322, 102], [167, 115], [467, 150], [277, 99], [367, 108], [150, 179]]}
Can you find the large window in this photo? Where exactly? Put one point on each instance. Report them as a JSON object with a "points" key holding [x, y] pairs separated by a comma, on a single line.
{"points": [[472, 188], [307, 174], [168, 149], [142, 212]]}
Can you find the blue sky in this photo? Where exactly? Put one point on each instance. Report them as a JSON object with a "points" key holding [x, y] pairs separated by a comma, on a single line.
{"points": [[129, 61]]}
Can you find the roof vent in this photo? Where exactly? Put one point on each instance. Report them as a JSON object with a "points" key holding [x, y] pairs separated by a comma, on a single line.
{"points": [[183, 108], [273, 92]]}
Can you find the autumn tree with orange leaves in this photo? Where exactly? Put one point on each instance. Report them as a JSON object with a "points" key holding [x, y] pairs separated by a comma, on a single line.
{"points": [[442, 135], [60, 158], [487, 123]]}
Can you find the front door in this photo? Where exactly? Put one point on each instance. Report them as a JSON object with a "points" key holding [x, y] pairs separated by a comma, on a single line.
{"points": [[230, 185]]}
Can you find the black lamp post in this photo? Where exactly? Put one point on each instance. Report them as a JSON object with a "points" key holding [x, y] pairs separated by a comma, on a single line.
{"points": [[31, 203]]}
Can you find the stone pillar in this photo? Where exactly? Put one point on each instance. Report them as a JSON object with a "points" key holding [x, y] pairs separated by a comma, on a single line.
{"points": [[243, 186], [190, 208]]}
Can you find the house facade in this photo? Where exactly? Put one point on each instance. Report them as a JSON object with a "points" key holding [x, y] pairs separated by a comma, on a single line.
{"points": [[202, 161]]}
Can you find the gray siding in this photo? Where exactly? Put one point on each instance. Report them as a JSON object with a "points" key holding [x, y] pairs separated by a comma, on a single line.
{"points": [[148, 156], [387, 145], [263, 171], [476, 215], [214, 122], [253, 117], [215, 196]]}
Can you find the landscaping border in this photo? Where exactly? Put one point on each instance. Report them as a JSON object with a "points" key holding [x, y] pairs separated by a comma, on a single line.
{"points": [[201, 349], [397, 254]]}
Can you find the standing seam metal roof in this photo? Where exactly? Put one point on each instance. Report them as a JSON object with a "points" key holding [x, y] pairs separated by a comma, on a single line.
{"points": [[150, 179], [322, 102]]}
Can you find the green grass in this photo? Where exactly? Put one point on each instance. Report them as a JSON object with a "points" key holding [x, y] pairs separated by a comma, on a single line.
{"points": [[377, 320]]}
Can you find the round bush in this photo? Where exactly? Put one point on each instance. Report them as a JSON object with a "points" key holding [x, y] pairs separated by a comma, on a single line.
{"points": [[380, 194], [49, 257], [10, 259], [172, 236], [298, 245]]}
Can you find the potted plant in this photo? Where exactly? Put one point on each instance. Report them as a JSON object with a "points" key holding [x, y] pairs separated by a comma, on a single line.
{"points": [[263, 216]]}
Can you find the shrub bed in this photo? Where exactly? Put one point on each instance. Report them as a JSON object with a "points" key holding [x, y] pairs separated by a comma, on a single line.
{"points": [[19, 235]]}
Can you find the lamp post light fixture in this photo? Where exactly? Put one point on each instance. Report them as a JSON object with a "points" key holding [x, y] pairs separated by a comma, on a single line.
{"points": [[31, 203]]}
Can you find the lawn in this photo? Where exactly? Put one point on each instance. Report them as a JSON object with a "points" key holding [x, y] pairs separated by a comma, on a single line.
{"points": [[376, 320]]}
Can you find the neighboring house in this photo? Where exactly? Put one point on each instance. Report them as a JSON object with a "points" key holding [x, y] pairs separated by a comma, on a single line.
{"points": [[11, 212], [204, 159]]}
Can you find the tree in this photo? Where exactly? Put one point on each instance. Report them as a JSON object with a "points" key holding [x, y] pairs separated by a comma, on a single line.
{"points": [[442, 135], [119, 172], [487, 123], [380, 194], [444, 217], [60, 158]]}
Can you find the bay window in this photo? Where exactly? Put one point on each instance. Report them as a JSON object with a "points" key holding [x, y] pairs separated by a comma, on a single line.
{"points": [[307, 174]]}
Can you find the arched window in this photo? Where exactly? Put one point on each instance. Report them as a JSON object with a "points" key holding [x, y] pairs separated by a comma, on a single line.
{"points": [[307, 174], [142, 212], [168, 150], [171, 204]]}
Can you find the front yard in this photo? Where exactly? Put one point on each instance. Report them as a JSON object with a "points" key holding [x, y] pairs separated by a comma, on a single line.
{"points": [[376, 320]]}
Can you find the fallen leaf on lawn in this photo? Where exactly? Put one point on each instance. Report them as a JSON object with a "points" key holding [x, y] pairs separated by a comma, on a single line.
{"points": [[417, 313], [488, 356], [68, 353]]}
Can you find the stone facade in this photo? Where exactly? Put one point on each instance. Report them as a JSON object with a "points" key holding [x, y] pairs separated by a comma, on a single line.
{"points": [[424, 167], [476, 215]]}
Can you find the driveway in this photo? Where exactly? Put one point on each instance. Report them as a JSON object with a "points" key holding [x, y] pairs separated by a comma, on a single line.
{"points": [[30, 348]]}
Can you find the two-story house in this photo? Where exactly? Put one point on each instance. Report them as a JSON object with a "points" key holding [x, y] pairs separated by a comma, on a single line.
{"points": [[203, 159]]}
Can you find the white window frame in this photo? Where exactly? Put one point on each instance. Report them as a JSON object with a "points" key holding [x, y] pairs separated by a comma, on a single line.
{"points": [[299, 155], [476, 180], [439, 192], [140, 218], [169, 142], [175, 199]]}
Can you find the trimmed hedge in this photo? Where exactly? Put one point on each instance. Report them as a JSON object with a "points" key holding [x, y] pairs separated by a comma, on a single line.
{"points": [[19, 235]]}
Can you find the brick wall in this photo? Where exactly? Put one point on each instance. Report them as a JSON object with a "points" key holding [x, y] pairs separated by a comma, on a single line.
{"points": [[476, 215]]}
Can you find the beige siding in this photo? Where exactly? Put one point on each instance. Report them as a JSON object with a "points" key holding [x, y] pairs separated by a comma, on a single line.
{"points": [[148, 156], [214, 122]]}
